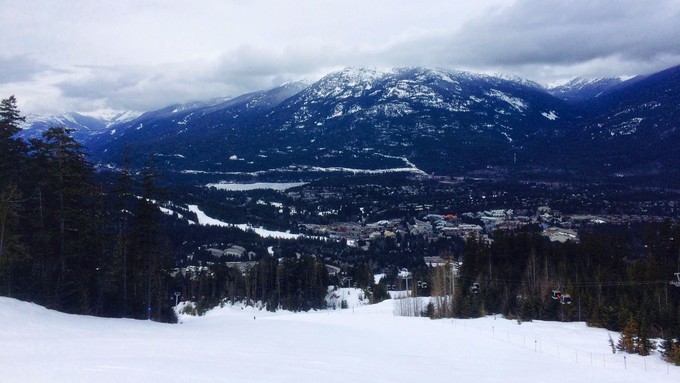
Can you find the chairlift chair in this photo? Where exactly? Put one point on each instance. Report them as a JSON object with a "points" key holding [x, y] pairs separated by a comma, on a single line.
{"points": [[565, 299], [556, 294], [474, 288], [676, 282]]}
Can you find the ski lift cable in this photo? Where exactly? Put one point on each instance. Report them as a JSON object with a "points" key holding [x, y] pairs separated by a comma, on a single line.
{"points": [[576, 284]]}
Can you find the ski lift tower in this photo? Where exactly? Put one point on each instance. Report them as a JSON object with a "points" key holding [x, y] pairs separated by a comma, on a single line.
{"points": [[454, 272], [405, 275]]}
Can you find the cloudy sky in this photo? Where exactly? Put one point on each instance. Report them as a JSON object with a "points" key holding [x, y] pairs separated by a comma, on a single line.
{"points": [[88, 55]]}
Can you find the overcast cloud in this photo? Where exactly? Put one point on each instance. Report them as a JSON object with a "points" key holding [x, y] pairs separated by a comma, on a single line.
{"points": [[82, 55]]}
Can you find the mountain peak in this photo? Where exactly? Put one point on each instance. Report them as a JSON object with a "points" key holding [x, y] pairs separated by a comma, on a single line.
{"points": [[111, 116], [581, 88]]}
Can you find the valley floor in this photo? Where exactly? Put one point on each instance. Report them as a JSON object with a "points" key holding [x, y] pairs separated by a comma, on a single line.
{"points": [[360, 344]]}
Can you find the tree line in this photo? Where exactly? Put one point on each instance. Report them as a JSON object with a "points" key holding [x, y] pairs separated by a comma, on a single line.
{"points": [[84, 242], [69, 242], [616, 279], [290, 283]]}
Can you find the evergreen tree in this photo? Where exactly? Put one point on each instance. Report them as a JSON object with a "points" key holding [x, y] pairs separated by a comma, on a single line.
{"points": [[634, 338], [644, 345], [149, 254], [628, 340], [670, 349], [12, 149], [10, 241], [12, 163], [67, 220], [379, 292], [124, 202]]}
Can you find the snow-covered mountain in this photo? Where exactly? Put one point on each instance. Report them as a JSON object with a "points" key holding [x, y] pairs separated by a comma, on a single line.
{"points": [[580, 89], [439, 121], [85, 125], [111, 116], [406, 91], [354, 118], [633, 129]]}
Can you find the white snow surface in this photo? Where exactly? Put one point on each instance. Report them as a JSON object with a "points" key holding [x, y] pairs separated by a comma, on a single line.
{"points": [[205, 220], [361, 344], [112, 116], [552, 116], [409, 168], [507, 136], [257, 185], [515, 102]]}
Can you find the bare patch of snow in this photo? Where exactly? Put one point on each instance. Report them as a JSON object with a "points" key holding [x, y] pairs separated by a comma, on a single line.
{"points": [[515, 102], [552, 116], [205, 220], [507, 136], [253, 186]]}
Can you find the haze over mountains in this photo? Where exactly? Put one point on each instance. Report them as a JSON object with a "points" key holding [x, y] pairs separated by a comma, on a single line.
{"points": [[439, 121]]}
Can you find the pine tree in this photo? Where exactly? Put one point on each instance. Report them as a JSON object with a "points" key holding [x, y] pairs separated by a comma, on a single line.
{"points": [[64, 238], [627, 341], [611, 344], [9, 211], [644, 345], [670, 349], [12, 149], [12, 163], [10, 243], [149, 254], [442, 290], [123, 207]]}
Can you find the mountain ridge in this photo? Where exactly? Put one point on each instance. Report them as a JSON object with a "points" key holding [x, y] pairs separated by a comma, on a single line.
{"points": [[444, 121]]}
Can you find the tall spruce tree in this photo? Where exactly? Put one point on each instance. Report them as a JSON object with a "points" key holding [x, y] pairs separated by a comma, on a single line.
{"points": [[10, 241], [12, 149], [124, 205], [65, 193], [150, 256], [12, 163]]}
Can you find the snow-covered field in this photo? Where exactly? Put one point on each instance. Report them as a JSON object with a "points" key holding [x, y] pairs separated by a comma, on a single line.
{"points": [[205, 220], [254, 186], [361, 344]]}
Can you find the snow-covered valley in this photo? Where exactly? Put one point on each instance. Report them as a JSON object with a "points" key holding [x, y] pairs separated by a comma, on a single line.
{"points": [[359, 344]]}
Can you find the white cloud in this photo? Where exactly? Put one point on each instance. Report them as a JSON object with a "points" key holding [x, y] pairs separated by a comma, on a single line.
{"points": [[147, 54]]}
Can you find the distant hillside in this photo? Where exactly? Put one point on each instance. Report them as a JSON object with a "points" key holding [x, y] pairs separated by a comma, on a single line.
{"points": [[443, 121], [438, 121]]}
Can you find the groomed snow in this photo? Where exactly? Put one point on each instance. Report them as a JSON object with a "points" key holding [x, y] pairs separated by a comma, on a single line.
{"points": [[253, 186], [362, 344], [205, 220]]}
